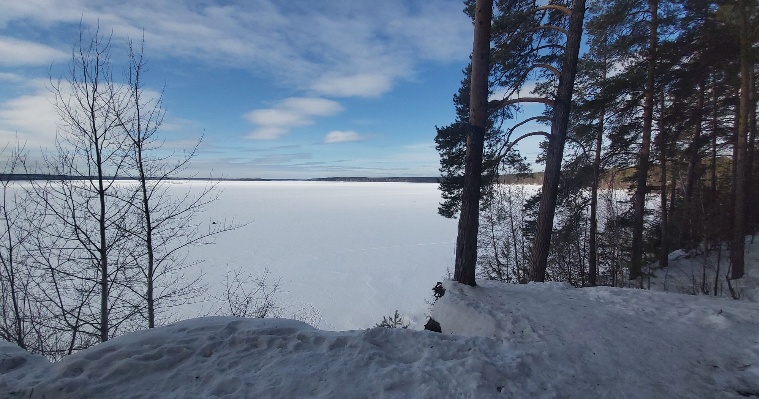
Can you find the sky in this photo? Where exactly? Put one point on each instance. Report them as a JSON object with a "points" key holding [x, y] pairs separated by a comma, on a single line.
{"points": [[276, 89]]}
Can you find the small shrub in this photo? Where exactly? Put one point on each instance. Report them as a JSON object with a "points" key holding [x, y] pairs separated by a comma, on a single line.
{"points": [[394, 321]]}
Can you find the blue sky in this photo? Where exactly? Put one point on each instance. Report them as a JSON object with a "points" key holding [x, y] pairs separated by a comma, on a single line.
{"points": [[278, 89]]}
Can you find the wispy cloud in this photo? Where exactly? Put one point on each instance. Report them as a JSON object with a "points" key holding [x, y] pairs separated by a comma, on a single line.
{"points": [[338, 136], [364, 45], [272, 123], [362, 85], [14, 52], [29, 118]]}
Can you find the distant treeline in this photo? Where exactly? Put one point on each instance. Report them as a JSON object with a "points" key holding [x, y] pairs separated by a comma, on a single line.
{"points": [[529, 178]]}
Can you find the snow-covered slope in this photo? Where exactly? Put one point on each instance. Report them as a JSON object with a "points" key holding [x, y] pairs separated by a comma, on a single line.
{"points": [[696, 273], [264, 358], [499, 340], [607, 342]]}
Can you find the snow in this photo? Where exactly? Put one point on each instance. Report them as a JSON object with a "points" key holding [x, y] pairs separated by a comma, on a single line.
{"points": [[692, 272], [362, 250], [613, 342], [546, 340], [263, 358], [350, 252]]}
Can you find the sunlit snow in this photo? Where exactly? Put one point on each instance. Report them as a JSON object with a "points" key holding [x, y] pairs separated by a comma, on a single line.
{"points": [[516, 341], [350, 252], [356, 251]]}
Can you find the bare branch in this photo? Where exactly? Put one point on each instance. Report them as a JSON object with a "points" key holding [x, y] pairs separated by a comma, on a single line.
{"points": [[548, 67], [496, 105], [558, 7], [507, 148]]}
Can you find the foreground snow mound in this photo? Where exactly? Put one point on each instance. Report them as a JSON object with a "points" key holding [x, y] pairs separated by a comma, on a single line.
{"points": [[273, 358], [499, 340], [613, 343]]}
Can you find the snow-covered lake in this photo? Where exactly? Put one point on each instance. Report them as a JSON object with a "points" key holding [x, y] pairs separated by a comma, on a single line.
{"points": [[351, 252]]}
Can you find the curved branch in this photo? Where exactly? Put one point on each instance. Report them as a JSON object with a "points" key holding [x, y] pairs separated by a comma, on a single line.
{"points": [[515, 127], [551, 27], [524, 136], [526, 73], [513, 143], [549, 45], [499, 104], [582, 147], [557, 7], [546, 66], [513, 35]]}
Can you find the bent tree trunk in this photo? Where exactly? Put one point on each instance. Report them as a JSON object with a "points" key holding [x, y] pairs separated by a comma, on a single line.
{"points": [[466, 242], [556, 143]]}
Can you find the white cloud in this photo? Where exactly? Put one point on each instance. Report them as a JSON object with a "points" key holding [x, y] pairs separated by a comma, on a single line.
{"points": [[14, 52], [32, 118], [525, 91], [365, 45], [29, 118], [338, 136], [363, 85], [289, 113], [11, 77]]}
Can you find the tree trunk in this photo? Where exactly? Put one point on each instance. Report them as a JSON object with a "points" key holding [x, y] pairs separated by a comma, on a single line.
{"points": [[639, 200], [715, 231], [752, 190], [593, 245], [664, 246], [466, 242], [740, 167], [694, 164], [556, 142], [103, 252], [150, 278]]}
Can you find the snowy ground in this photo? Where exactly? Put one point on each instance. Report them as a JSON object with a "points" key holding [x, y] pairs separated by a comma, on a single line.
{"points": [[358, 251], [696, 274], [347, 252], [612, 342], [514, 341]]}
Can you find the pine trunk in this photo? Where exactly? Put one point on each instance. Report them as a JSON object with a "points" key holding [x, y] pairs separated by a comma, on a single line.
{"points": [[466, 242], [693, 172], [664, 231], [639, 200], [593, 245], [556, 142], [740, 187]]}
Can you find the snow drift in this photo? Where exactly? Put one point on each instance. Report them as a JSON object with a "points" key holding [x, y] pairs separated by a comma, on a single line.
{"points": [[499, 340], [607, 342]]}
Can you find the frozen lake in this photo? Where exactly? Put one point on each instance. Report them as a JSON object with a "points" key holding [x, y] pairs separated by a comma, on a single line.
{"points": [[351, 251]]}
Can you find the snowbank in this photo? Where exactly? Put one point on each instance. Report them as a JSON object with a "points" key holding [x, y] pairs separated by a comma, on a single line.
{"points": [[499, 340], [607, 342], [271, 358]]}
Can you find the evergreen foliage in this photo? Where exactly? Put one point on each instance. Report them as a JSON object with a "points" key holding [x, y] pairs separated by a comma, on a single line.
{"points": [[696, 149]]}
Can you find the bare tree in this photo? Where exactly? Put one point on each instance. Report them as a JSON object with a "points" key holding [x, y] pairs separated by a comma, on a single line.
{"points": [[16, 304], [248, 296], [86, 201], [166, 225], [503, 247]]}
